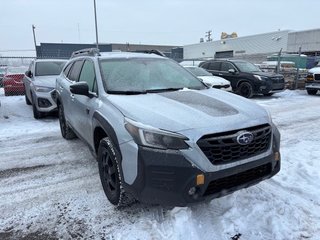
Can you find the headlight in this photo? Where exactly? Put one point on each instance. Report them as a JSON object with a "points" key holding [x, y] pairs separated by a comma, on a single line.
{"points": [[155, 138], [260, 77], [43, 89]]}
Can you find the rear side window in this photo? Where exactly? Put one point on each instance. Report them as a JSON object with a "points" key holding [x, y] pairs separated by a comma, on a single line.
{"points": [[205, 65], [67, 69], [88, 75], [225, 66], [75, 71], [215, 66]]}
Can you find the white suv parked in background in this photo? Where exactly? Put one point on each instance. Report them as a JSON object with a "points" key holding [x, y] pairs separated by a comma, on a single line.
{"points": [[39, 82]]}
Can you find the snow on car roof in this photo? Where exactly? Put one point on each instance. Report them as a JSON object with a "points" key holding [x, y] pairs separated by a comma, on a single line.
{"points": [[105, 55]]}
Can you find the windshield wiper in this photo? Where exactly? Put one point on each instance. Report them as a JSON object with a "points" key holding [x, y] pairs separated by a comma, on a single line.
{"points": [[162, 90], [127, 92]]}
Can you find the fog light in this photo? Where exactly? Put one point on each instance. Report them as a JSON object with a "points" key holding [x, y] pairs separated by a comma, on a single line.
{"points": [[277, 156], [200, 179], [192, 191]]}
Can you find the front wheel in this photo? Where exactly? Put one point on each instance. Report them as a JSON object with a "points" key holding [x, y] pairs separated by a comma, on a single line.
{"points": [[245, 89], [36, 114], [312, 91], [27, 99], [110, 174], [66, 131]]}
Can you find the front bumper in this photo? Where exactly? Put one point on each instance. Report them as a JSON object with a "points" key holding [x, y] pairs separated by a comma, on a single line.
{"points": [[166, 177], [314, 85], [270, 87], [45, 101]]}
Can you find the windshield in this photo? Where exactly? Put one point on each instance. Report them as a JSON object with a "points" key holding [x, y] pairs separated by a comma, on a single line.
{"points": [[198, 71], [48, 68], [146, 75], [247, 67], [17, 70]]}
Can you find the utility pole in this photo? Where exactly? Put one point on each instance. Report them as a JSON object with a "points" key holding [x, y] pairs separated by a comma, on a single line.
{"points": [[298, 70], [279, 62], [95, 17], [208, 36], [34, 39]]}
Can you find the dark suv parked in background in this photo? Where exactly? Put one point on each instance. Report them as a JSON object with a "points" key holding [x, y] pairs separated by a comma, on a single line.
{"points": [[246, 78]]}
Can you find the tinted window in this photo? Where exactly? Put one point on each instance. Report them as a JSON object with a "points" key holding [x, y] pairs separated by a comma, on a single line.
{"points": [[48, 68], [225, 66], [67, 69], [247, 66], [205, 65], [141, 75], [198, 71], [88, 75], [75, 70], [214, 66]]}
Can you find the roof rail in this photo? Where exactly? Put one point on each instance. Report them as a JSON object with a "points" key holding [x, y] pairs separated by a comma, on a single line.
{"points": [[86, 52], [155, 51]]}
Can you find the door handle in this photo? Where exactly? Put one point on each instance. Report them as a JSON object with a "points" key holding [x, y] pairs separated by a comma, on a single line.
{"points": [[87, 110]]}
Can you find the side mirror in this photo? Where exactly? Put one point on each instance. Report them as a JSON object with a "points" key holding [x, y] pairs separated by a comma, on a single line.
{"points": [[80, 88], [231, 70], [28, 74]]}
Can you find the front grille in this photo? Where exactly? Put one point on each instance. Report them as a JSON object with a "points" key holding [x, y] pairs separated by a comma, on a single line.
{"points": [[277, 80], [221, 86], [223, 148], [317, 77], [239, 179]]}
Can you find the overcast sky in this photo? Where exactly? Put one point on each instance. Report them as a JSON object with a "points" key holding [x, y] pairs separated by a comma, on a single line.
{"points": [[169, 22]]}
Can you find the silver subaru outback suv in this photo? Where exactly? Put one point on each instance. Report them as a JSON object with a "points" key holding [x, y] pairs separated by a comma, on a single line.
{"points": [[158, 133]]}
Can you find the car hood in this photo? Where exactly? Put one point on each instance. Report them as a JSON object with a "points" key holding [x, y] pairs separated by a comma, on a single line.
{"points": [[267, 74], [206, 110], [214, 81], [45, 81], [314, 70]]}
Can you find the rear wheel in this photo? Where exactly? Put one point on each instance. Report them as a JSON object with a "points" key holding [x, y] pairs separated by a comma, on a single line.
{"points": [[66, 131], [110, 174], [245, 89], [312, 91]]}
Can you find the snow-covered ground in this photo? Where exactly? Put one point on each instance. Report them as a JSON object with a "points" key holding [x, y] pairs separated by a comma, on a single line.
{"points": [[50, 188]]}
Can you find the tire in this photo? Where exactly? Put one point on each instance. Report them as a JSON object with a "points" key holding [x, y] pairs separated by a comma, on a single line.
{"points": [[27, 99], [66, 131], [268, 94], [36, 114], [312, 91], [108, 162], [245, 89]]}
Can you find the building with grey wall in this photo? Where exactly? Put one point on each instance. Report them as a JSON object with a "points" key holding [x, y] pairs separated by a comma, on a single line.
{"points": [[257, 47]]}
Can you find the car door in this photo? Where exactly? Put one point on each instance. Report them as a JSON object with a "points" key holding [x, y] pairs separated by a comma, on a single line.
{"points": [[27, 81], [64, 89], [83, 106], [226, 74], [214, 68]]}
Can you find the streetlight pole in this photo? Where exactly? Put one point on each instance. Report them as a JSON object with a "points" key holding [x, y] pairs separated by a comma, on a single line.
{"points": [[95, 17], [34, 38]]}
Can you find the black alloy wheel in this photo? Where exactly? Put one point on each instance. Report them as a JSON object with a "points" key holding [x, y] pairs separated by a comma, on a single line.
{"points": [[245, 89]]}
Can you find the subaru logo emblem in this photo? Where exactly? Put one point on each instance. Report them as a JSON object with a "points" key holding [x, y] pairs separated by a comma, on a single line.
{"points": [[245, 138]]}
